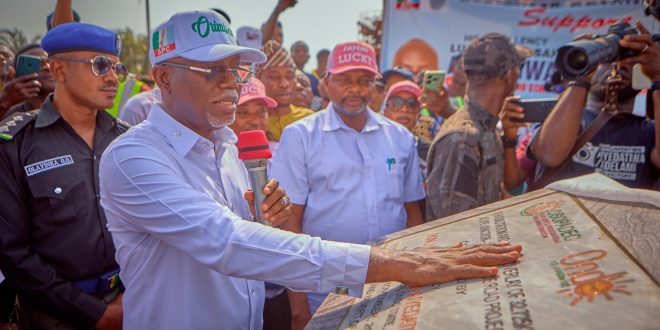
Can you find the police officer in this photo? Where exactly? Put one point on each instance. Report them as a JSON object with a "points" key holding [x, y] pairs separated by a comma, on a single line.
{"points": [[55, 249]]}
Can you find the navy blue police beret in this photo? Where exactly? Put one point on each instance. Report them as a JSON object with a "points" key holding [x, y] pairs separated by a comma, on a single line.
{"points": [[71, 37]]}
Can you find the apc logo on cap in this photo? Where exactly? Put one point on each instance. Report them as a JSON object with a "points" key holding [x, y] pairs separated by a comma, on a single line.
{"points": [[163, 41], [203, 27]]}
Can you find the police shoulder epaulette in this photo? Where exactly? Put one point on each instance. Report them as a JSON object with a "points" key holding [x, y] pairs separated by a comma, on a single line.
{"points": [[123, 125], [13, 124]]}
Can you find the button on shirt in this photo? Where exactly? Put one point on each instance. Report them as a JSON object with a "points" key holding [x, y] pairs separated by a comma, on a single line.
{"points": [[52, 228], [174, 202]]}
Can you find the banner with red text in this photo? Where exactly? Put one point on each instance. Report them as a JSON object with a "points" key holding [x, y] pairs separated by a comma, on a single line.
{"points": [[427, 34]]}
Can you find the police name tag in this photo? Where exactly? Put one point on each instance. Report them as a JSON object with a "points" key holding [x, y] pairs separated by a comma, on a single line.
{"points": [[48, 164]]}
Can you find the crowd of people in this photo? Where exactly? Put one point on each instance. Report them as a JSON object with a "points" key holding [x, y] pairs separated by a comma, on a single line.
{"points": [[136, 215]]}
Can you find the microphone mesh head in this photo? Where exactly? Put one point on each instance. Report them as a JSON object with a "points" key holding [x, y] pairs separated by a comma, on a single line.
{"points": [[253, 145], [255, 163]]}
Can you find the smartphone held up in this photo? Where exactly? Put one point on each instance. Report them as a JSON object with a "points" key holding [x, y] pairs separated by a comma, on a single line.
{"points": [[535, 110], [432, 80], [27, 64]]}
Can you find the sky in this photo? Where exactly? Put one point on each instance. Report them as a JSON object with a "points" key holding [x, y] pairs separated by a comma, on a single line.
{"points": [[321, 24]]}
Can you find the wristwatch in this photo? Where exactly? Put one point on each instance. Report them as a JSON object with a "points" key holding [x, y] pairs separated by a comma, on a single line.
{"points": [[509, 143]]}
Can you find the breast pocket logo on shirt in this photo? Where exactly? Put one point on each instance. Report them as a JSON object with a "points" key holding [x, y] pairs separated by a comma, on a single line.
{"points": [[391, 163], [48, 164], [393, 181]]}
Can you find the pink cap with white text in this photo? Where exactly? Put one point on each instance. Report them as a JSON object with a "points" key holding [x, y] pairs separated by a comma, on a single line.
{"points": [[255, 90], [352, 56]]}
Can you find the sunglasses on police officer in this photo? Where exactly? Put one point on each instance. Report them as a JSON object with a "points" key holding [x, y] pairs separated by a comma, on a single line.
{"points": [[102, 65]]}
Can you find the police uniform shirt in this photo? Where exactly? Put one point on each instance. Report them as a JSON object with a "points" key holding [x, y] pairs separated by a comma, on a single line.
{"points": [[52, 228], [24, 106]]}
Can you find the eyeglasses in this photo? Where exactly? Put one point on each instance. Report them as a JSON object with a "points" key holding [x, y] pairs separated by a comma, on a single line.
{"points": [[397, 103], [217, 75], [344, 81], [101, 65]]}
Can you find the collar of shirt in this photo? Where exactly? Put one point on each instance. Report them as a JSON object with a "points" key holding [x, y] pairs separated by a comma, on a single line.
{"points": [[182, 138], [333, 122], [481, 116], [48, 115]]}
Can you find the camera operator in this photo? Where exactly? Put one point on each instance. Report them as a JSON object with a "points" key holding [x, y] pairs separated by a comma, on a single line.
{"points": [[649, 59], [624, 149]]}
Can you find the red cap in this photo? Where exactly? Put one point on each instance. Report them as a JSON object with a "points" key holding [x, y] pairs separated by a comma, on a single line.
{"points": [[255, 90], [352, 56], [404, 86], [253, 145]]}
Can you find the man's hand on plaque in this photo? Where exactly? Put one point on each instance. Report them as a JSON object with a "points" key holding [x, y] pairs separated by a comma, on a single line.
{"points": [[427, 266]]}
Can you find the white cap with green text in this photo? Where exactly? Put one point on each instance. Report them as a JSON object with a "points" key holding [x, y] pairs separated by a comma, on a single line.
{"points": [[202, 36]]}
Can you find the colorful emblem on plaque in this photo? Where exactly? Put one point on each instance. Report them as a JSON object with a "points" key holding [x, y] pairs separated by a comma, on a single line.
{"points": [[588, 282]]}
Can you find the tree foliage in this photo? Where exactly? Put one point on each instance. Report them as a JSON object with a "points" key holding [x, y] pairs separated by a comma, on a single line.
{"points": [[370, 30], [15, 39], [134, 52]]}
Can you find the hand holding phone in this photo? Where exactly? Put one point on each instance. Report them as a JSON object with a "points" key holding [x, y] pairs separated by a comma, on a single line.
{"points": [[27, 64], [535, 110], [510, 114], [432, 80], [17, 90]]}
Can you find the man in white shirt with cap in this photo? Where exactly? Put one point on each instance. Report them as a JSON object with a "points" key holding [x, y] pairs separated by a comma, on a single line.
{"points": [[175, 197], [350, 155]]}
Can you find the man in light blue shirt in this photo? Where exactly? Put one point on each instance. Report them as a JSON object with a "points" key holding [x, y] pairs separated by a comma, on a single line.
{"points": [[347, 155], [173, 191]]}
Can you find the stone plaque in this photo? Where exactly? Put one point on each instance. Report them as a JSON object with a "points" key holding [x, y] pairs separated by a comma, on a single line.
{"points": [[573, 275]]}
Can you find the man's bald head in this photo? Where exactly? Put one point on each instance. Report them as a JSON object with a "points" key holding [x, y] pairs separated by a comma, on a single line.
{"points": [[416, 55]]}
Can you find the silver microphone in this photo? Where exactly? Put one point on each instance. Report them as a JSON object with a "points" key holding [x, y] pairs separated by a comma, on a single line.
{"points": [[254, 151], [257, 170]]}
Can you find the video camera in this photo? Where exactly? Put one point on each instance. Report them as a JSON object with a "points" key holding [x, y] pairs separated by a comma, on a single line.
{"points": [[579, 57]]}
